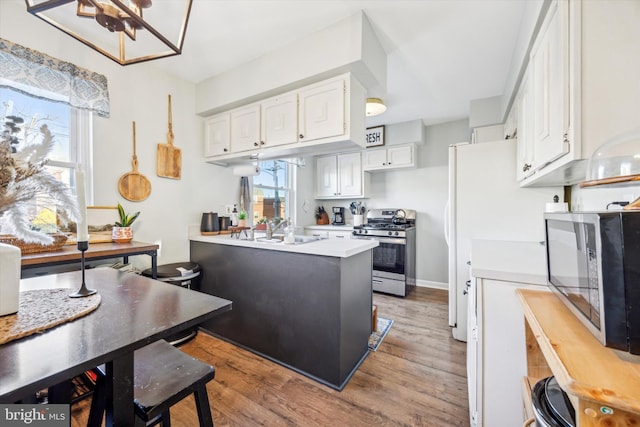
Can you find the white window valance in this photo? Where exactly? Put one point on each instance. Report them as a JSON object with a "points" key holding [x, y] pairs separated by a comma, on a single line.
{"points": [[43, 76]]}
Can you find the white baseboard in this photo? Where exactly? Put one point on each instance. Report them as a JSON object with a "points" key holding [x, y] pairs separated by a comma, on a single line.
{"points": [[430, 284]]}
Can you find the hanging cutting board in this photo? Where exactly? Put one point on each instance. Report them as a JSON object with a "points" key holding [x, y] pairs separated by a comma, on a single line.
{"points": [[169, 156], [133, 185]]}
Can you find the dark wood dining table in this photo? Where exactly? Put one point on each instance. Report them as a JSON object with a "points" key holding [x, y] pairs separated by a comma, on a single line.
{"points": [[134, 311]]}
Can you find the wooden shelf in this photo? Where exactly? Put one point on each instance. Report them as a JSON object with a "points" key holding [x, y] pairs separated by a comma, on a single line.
{"points": [[596, 378]]}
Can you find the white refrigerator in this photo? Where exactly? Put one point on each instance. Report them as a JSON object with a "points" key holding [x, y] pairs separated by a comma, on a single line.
{"points": [[486, 202]]}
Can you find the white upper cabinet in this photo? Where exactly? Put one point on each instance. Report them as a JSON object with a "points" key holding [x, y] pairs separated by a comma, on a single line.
{"points": [[583, 71], [548, 68], [524, 152], [280, 120], [324, 117], [217, 135], [349, 175], [339, 176], [245, 128], [393, 157], [326, 177], [321, 111]]}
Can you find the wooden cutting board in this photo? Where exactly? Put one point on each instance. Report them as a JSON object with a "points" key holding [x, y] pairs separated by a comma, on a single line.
{"points": [[169, 157], [133, 185]]}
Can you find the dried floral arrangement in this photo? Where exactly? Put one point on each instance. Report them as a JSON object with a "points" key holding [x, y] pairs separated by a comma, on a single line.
{"points": [[23, 177]]}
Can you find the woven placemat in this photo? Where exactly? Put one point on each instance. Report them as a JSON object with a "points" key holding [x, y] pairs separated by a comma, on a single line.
{"points": [[42, 309]]}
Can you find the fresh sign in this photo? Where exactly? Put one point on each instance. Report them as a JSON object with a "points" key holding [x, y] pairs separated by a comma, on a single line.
{"points": [[374, 136]]}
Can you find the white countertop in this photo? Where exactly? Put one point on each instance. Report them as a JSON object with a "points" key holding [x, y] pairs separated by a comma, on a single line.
{"points": [[341, 248], [523, 262]]}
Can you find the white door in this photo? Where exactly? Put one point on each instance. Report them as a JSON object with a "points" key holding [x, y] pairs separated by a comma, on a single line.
{"points": [[400, 156], [525, 153], [280, 120], [321, 112], [548, 87], [217, 134], [245, 128], [374, 159], [326, 176], [349, 175]]}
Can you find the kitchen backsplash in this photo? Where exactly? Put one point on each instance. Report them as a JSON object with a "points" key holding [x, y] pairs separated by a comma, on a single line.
{"points": [[598, 198]]}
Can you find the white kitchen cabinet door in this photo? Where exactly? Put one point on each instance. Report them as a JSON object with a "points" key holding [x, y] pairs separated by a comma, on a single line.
{"points": [[400, 157], [549, 64], [217, 135], [395, 157], [321, 111], [326, 177], [525, 152], [340, 234], [280, 120], [349, 175], [374, 159], [502, 359], [245, 128]]}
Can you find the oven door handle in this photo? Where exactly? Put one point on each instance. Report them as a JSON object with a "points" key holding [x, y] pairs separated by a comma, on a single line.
{"points": [[393, 241]]}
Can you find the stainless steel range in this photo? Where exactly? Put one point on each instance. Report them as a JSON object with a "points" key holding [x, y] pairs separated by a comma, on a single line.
{"points": [[394, 260]]}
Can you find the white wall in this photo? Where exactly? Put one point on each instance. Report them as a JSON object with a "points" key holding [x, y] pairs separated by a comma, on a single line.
{"points": [[597, 198], [138, 92]]}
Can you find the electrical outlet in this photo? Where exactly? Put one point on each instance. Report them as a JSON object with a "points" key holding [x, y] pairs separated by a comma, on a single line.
{"points": [[228, 209]]}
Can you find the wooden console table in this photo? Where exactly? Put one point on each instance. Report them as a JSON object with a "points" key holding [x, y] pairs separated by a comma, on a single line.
{"points": [[602, 384], [70, 254]]}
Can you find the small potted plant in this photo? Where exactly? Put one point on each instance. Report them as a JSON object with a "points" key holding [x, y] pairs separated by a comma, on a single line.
{"points": [[262, 223], [242, 219], [122, 232]]}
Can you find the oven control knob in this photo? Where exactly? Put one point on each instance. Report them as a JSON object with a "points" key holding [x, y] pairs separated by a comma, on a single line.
{"points": [[365, 231], [396, 233], [391, 233]]}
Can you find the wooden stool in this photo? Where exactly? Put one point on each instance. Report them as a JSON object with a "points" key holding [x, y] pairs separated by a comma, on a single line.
{"points": [[163, 376]]}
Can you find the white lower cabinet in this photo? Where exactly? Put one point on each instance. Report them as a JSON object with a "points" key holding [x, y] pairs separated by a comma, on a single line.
{"points": [[497, 356]]}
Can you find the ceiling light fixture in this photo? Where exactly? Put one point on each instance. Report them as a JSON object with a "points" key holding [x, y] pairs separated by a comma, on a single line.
{"points": [[127, 37], [375, 106]]}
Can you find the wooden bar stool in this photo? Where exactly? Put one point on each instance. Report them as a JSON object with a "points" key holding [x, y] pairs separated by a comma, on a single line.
{"points": [[163, 376]]}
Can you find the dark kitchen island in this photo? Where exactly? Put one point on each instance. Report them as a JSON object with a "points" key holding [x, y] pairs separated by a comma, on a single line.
{"points": [[307, 307]]}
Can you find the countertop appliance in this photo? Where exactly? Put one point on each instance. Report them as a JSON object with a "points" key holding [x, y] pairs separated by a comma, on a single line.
{"points": [[338, 216], [551, 405], [394, 260], [592, 260], [486, 202]]}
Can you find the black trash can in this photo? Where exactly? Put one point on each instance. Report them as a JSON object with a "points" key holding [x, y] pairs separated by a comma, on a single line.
{"points": [[185, 274]]}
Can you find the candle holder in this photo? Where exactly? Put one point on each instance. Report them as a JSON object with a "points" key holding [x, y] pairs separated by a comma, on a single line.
{"points": [[83, 291]]}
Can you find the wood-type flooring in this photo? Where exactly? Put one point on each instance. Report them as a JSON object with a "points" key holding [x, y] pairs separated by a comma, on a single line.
{"points": [[416, 378]]}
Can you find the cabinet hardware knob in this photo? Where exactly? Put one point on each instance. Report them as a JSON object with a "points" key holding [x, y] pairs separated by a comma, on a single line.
{"points": [[526, 167], [255, 144], [389, 163], [565, 137], [225, 150], [384, 164], [261, 142], [301, 136], [465, 292]]}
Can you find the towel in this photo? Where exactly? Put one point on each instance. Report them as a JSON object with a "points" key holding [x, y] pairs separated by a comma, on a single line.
{"points": [[245, 194]]}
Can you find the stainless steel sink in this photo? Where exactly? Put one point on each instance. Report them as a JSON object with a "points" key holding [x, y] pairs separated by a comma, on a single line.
{"points": [[299, 239]]}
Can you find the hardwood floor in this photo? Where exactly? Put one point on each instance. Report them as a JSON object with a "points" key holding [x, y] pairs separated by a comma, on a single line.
{"points": [[416, 378]]}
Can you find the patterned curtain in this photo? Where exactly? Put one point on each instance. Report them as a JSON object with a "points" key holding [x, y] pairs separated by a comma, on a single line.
{"points": [[42, 76]]}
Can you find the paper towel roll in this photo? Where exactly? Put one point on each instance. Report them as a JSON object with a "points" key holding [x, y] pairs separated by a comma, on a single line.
{"points": [[557, 207], [246, 170]]}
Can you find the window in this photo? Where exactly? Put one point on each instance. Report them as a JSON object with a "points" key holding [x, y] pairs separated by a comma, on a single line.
{"points": [[273, 190], [67, 125]]}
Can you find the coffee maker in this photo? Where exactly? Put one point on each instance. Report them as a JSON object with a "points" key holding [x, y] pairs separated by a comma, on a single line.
{"points": [[338, 216]]}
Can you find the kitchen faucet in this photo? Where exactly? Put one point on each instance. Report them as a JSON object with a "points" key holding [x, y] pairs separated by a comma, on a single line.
{"points": [[272, 229]]}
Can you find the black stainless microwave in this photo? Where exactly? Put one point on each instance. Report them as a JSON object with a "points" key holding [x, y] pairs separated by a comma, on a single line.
{"points": [[593, 264]]}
